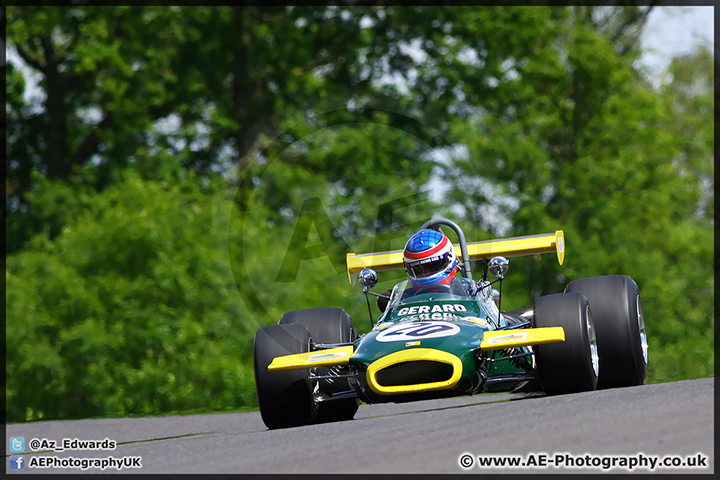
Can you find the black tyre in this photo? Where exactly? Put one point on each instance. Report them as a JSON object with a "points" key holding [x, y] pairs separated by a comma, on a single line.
{"points": [[285, 398], [328, 325], [620, 325], [570, 366]]}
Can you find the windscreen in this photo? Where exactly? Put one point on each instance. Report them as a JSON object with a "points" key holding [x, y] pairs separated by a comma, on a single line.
{"points": [[405, 292]]}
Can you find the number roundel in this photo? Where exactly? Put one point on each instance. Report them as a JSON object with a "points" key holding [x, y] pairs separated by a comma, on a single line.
{"points": [[417, 331]]}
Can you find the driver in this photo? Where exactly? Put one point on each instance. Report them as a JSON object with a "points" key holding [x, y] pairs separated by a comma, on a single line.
{"points": [[429, 258]]}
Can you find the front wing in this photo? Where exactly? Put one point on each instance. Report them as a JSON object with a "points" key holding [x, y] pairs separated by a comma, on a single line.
{"points": [[492, 340]]}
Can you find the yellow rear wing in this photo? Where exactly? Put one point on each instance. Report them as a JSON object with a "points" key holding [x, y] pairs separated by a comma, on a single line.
{"points": [[508, 247]]}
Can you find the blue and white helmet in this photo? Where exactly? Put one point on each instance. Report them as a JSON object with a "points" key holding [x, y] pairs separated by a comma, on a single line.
{"points": [[429, 257]]}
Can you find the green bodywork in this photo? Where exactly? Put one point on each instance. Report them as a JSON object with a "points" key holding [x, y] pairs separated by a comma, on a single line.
{"points": [[467, 319]]}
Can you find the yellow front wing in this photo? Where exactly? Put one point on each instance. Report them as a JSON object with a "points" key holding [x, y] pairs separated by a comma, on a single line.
{"points": [[492, 340], [318, 358], [501, 339]]}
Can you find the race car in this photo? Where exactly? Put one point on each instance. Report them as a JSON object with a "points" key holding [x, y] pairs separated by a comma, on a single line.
{"points": [[443, 341]]}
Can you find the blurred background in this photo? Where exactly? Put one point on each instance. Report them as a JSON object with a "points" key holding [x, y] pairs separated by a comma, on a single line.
{"points": [[178, 177]]}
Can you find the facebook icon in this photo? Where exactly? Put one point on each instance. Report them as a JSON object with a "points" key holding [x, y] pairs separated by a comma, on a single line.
{"points": [[17, 462]]}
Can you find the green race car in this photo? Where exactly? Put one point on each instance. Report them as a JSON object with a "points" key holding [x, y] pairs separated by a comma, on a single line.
{"points": [[450, 339]]}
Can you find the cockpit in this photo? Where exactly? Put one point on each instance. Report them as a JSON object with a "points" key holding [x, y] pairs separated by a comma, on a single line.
{"points": [[458, 289]]}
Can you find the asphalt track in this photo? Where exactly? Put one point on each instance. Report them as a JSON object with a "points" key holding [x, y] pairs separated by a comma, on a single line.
{"points": [[650, 421]]}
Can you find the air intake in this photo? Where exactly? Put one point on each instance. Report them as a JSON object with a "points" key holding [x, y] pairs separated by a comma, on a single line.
{"points": [[414, 370], [411, 373]]}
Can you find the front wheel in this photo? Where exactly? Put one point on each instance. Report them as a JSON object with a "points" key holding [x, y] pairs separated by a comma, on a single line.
{"points": [[573, 365], [285, 398], [620, 324]]}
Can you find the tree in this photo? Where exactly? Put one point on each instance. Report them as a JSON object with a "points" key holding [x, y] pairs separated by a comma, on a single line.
{"points": [[209, 86], [131, 309], [580, 144]]}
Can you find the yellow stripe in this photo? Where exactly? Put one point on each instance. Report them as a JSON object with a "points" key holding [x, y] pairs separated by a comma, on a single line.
{"points": [[498, 340], [318, 358], [379, 262], [509, 247], [410, 355]]}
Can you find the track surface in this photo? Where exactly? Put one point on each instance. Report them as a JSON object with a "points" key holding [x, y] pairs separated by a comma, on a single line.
{"points": [[421, 437]]}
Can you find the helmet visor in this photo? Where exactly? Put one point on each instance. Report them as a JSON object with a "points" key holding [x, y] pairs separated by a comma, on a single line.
{"points": [[418, 270]]}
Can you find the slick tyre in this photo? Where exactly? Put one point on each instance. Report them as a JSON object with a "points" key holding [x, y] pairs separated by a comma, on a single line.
{"points": [[620, 327], [328, 325], [571, 366], [285, 398]]}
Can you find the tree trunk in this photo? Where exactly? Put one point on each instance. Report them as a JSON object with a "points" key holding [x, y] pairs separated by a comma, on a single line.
{"points": [[56, 130]]}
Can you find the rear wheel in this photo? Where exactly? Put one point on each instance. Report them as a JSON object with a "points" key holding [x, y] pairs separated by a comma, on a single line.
{"points": [[285, 398], [570, 366], [620, 324], [328, 325]]}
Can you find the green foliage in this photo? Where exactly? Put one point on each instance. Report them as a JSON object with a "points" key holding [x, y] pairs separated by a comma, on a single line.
{"points": [[624, 170], [130, 309]]}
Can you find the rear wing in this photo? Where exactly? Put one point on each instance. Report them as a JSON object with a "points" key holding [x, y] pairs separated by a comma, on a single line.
{"points": [[508, 247]]}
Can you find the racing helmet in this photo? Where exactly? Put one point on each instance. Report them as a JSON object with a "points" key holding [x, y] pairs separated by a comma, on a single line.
{"points": [[429, 257]]}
